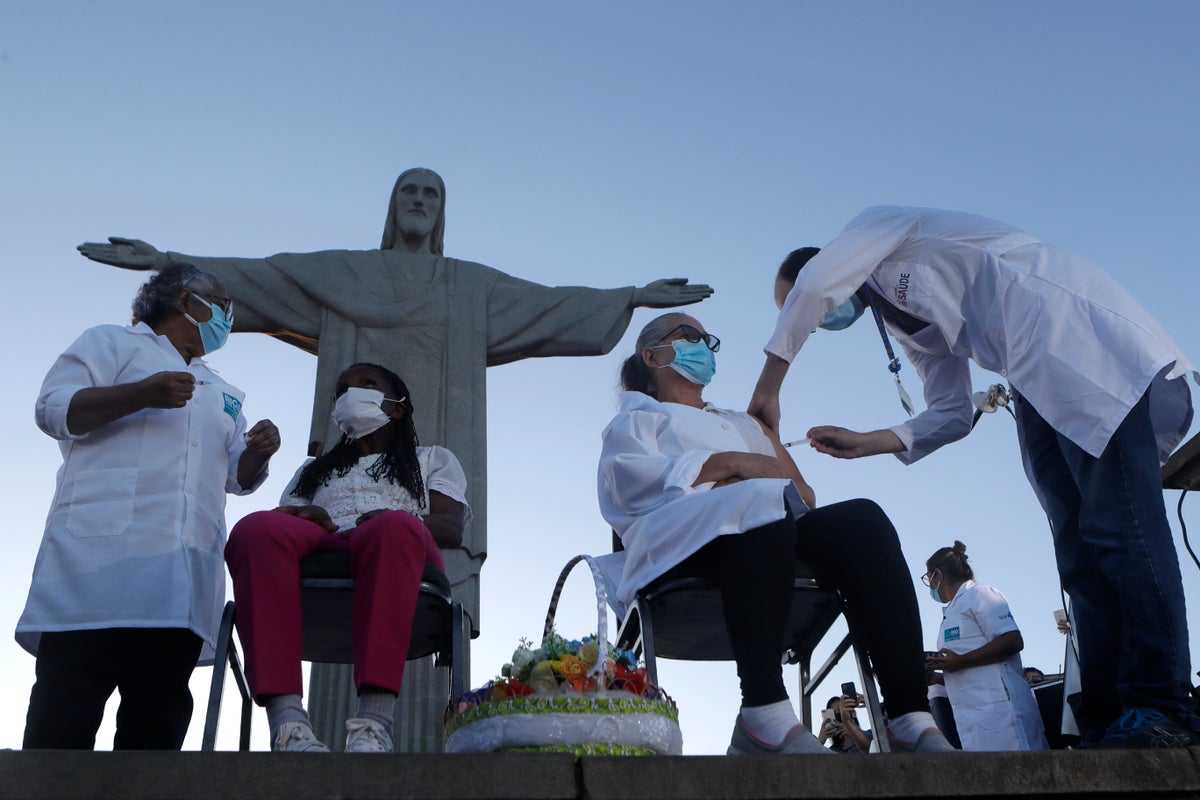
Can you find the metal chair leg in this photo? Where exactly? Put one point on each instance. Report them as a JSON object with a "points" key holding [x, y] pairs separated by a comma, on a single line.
{"points": [[866, 674], [805, 697], [239, 678], [217, 687], [458, 651], [648, 652]]}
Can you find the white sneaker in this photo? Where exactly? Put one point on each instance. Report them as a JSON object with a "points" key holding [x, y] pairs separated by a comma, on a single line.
{"points": [[367, 736], [297, 737]]}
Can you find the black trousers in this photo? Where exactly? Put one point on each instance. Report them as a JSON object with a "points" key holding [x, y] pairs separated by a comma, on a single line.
{"points": [[77, 672], [855, 549]]}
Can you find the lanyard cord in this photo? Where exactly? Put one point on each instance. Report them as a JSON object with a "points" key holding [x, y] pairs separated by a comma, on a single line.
{"points": [[893, 362]]}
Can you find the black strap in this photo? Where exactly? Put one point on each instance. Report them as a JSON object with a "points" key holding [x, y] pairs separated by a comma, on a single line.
{"points": [[893, 362]]}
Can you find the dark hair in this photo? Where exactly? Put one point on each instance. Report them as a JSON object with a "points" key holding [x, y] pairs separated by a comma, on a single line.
{"points": [[796, 259], [397, 464], [159, 296], [635, 375], [832, 702], [952, 561]]}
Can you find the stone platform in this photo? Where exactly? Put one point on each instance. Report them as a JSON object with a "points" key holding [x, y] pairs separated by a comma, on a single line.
{"points": [[229, 776]]}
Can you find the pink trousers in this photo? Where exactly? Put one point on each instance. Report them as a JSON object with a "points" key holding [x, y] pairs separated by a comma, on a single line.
{"points": [[388, 555]]}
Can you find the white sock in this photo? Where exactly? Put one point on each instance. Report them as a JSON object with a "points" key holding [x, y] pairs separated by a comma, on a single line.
{"points": [[770, 723], [909, 727], [283, 708]]}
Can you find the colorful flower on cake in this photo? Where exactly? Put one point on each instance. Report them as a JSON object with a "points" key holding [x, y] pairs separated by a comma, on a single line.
{"points": [[561, 666]]}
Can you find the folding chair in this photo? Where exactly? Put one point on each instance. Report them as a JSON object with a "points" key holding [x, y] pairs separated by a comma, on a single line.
{"points": [[327, 597], [680, 617]]}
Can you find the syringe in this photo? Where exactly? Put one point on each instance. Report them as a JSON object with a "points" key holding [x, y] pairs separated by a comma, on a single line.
{"points": [[805, 440]]}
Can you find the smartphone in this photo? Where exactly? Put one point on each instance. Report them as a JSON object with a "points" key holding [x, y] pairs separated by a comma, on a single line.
{"points": [[848, 690]]}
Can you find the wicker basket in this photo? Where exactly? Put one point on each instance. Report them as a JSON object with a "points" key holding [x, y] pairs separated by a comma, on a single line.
{"points": [[605, 721]]}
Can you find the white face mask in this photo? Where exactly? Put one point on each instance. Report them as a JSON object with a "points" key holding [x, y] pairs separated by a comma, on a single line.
{"points": [[359, 412]]}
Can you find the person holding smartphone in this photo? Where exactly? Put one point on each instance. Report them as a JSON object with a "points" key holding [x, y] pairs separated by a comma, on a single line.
{"points": [[840, 726]]}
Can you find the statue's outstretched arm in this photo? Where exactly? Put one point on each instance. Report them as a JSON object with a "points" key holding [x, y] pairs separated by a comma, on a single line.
{"points": [[126, 253]]}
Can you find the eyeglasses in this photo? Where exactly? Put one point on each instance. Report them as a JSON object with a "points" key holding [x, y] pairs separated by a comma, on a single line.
{"points": [[693, 335], [928, 576], [224, 303]]}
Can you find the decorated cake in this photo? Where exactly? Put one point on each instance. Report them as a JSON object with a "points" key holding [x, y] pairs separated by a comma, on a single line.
{"points": [[574, 696]]}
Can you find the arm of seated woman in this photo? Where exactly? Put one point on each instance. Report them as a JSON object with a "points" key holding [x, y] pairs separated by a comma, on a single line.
{"points": [[785, 458], [723, 469], [446, 519]]}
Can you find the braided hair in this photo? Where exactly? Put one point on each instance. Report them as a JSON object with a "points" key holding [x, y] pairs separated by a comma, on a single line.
{"points": [[952, 561], [397, 464]]}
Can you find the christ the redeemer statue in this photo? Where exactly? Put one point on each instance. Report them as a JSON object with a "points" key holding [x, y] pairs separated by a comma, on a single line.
{"points": [[439, 323]]}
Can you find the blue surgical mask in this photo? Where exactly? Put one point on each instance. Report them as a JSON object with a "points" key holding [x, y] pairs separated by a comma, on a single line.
{"points": [[843, 316], [694, 361], [937, 598], [215, 331]]}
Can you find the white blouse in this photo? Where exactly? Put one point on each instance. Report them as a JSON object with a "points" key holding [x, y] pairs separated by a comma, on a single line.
{"points": [[348, 497], [652, 454]]}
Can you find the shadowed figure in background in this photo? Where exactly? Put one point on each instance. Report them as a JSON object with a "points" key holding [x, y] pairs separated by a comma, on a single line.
{"points": [[440, 322]]}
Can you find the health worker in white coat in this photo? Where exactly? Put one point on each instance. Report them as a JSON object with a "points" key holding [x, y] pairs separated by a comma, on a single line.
{"points": [[690, 488], [129, 581], [1101, 401], [979, 654]]}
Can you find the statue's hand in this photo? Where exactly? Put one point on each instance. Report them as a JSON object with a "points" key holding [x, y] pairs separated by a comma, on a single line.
{"points": [[126, 254], [670, 292]]}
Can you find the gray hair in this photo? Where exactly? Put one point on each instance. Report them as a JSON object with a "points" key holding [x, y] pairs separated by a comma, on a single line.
{"points": [[159, 296], [635, 375]]}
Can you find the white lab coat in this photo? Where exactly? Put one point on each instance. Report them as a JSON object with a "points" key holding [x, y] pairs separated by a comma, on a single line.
{"points": [[136, 530], [994, 708], [1067, 337], [652, 454]]}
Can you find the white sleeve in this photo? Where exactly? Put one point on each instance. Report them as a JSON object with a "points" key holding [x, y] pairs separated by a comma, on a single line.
{"points": [[93, 360], [289, 499], [636, 477], [836, 273], [992, 613], [446, 476], [948, 408]]}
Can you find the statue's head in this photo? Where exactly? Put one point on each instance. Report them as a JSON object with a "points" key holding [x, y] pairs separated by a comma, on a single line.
{"points": [[417, 211]]}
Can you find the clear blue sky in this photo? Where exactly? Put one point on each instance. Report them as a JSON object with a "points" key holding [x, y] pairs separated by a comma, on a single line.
{"points": [[607, 146]]}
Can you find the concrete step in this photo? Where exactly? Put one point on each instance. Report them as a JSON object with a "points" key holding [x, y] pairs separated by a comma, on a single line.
{"points": [[62, 775]]}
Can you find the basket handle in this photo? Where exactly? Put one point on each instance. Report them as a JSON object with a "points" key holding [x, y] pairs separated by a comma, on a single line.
{"points": [[601, 611]]}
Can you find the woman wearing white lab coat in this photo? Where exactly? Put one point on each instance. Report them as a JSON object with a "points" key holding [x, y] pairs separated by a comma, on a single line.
{"points": [[1100, 402], [979, 653], [129, 582], [688, 486]]}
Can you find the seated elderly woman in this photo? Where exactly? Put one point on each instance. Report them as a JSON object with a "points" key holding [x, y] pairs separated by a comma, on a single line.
{"points": [[680, 480], [392, 505]]}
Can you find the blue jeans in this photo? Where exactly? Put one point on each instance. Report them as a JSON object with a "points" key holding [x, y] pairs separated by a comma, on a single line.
{"points": [[1117, 561]]}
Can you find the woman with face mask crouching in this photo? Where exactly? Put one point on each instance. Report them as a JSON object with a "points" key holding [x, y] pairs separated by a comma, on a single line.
{"points": [[128, 584], [392, 505], [681, 480]]}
